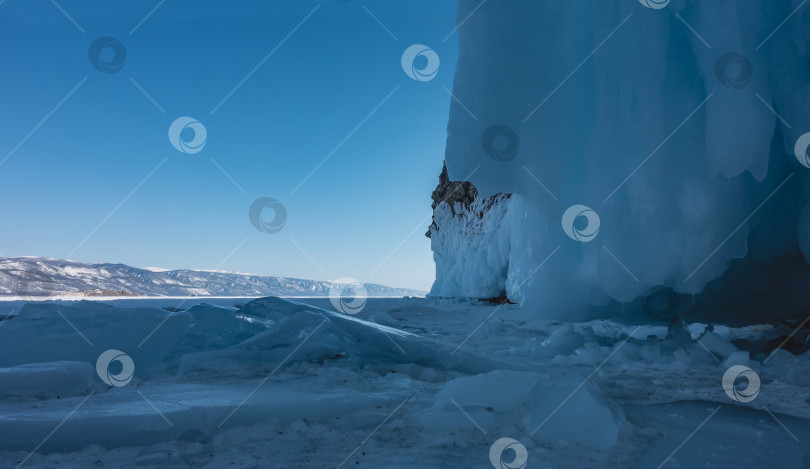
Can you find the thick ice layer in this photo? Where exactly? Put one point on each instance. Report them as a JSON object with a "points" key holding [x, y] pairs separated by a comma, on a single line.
{"points": [[675, 126]]}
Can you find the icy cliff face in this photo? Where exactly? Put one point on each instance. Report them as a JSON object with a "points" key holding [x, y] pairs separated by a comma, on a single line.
{"points": [[645, 148]]}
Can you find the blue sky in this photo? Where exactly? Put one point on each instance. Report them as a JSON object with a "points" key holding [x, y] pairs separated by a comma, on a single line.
{"points": [[96, 178]]}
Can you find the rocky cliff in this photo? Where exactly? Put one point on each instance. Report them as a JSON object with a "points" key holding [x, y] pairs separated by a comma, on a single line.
{"points": [[470, 245]]}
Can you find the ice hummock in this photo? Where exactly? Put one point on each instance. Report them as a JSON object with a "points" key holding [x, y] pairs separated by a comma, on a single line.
{"points": [[677, 126]]}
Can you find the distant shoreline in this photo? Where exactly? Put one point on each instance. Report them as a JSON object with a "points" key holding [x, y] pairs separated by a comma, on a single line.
{"points": [[111, 298]]}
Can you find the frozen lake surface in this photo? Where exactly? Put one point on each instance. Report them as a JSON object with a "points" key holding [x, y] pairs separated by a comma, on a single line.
{"points": [[405, 383]]}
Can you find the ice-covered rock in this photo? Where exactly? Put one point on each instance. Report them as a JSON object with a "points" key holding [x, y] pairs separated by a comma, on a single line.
{"points": [[469, 240], [669, 132]]}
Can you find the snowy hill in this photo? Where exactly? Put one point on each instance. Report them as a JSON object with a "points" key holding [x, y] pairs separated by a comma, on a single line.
{"points": [[34, 277]]}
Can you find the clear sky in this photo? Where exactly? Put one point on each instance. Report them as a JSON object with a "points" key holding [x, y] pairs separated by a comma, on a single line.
{"points": [[88, 171]]}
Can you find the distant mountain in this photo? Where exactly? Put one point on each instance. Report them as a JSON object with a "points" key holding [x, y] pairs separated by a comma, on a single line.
{"points": [[41, 277]]}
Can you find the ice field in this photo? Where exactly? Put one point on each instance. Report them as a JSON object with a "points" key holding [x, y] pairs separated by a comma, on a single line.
{"points": [[406, 383]]}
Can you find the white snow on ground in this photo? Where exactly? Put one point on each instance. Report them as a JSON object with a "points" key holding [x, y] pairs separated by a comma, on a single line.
{"points": [[406, 383]]}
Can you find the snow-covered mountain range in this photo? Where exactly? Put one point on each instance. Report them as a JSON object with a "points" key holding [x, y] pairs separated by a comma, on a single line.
{"points": [[43, 277]]}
